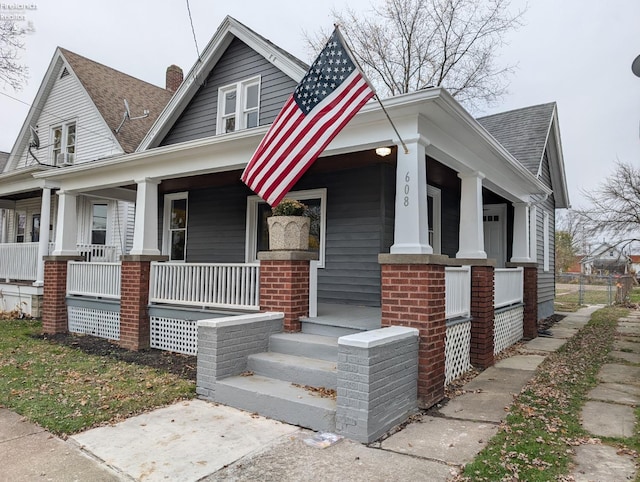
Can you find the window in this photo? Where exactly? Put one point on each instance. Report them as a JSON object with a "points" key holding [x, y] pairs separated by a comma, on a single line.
{"points": [[238, 106], [174, 243], [257, 232], [64, 144], [98, 223], [35, 228], [21, 224], [434, 206]]}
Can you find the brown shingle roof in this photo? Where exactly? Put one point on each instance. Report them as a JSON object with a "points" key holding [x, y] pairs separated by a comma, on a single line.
{"points": [[108, 88]]}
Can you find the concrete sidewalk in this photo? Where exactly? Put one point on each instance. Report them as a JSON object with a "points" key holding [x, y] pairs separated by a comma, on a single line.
{"points": [[198, 440]]}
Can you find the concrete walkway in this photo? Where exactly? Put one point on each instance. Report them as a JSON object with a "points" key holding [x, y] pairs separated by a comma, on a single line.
{"points": [[197, 440]]}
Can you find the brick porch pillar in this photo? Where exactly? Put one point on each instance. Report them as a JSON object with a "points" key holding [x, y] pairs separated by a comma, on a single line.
{"points": [[134, 300], [482, 315], [530, 298], [284, 284], [54, 303], [413, 295]]}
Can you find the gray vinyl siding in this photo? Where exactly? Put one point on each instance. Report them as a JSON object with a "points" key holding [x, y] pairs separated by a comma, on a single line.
{"points": [[450, 225], [546, 280], [239, 62]]}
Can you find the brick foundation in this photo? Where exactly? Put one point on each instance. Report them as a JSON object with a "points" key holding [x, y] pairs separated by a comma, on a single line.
{"points": [[284, 285], [413, 295], [530, 298], [482, 316]]}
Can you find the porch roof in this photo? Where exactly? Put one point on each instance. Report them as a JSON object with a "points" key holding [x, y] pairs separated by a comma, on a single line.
{"points": [[431, 116]]}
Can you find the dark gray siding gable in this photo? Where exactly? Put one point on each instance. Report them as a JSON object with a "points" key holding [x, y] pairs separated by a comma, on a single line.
{"points": [[239, 62], [546, 279]]}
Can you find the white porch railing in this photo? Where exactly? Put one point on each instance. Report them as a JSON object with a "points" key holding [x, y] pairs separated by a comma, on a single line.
{"points": [[93, 279], [508, 286], [98, 252], [217, 285], [19, 261], [457, 291]]}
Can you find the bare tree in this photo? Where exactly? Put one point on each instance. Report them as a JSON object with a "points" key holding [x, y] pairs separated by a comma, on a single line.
{"points": [[12, 72], [408, 45], [615, 207]]}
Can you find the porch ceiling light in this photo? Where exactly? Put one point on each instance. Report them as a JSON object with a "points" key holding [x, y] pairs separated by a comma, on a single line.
{"points": [[383, 151]]}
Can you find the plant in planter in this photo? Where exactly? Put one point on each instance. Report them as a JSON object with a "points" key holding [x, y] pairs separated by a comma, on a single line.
{"points": [[289, 227]]}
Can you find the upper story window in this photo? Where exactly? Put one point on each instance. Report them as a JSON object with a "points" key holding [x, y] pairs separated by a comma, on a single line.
{"points": [[239, 105], [64, 144]]}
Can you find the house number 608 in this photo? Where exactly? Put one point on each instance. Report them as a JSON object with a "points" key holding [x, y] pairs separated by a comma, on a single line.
{"points": [[407, 178]]}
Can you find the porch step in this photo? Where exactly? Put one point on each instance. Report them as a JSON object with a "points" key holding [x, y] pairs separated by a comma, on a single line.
{"points": [[279, 400], [294, 369], [304, 344], [315, 326]]}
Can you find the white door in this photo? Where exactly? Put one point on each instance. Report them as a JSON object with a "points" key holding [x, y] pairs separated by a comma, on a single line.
{"points": [[494, 218]]}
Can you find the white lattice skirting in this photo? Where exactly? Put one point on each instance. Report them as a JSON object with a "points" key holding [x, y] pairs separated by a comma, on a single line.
{"points": [[508, 328], [90, 321], [457, 350], [170, 334]]}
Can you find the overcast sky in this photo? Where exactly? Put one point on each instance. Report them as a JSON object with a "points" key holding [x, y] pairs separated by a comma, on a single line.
{"points": [[575, 52]]}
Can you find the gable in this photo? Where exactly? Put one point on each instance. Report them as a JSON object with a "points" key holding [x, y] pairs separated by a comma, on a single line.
{"points": [[238, 62], [66, 102]]}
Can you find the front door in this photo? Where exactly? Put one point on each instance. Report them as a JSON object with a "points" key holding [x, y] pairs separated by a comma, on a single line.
{"points": [[494, 218]]}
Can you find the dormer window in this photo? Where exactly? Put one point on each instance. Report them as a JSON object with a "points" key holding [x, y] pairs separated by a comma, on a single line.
{"points": [[238, 105], [64, 144]]}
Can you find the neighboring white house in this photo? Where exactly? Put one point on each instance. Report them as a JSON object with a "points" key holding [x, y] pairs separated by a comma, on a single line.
{"points": [[606, 259], [83, 111]]}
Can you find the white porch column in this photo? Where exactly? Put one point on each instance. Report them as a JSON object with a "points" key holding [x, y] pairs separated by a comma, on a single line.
{"points": [[67, 225], [471, 244], [521, 233], [4, 214], [43, 243], [411, 228], [145, 232], [533, 234]]}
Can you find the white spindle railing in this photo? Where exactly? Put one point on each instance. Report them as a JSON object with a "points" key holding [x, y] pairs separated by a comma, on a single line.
{"points": [[18, 261], [457, 291], [508, 286], [93, 279], [98, 252], [221, 285]]}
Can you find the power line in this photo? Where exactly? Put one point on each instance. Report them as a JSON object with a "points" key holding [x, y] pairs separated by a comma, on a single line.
{"points": [[195, 41]]}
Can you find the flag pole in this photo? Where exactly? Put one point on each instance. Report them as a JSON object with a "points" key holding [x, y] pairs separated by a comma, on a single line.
{"points": [[355, 60]]}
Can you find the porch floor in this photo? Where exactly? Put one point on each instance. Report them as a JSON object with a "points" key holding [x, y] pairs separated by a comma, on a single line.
{"points": [[362, 318]]}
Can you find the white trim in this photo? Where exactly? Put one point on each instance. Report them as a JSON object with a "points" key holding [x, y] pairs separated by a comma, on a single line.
{"points": [[545, 241], [240, 109], [166, 223], [251, 231], [436, 194], [108, 220]]}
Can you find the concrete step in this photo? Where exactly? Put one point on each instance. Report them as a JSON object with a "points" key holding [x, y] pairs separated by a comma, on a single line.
{"points": [[279, 400], [312, 327], [295, 369], [303, 344]]}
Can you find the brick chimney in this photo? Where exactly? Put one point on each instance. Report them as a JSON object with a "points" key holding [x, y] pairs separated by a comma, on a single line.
{"points": [[174, 78]]}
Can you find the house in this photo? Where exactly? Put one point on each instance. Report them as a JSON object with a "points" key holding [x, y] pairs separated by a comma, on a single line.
{"points": [[532, 136], [606, 260], [83, 111], [430, 258]]}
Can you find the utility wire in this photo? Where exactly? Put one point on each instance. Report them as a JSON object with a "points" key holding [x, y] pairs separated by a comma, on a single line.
{"points": [[193, 30]]}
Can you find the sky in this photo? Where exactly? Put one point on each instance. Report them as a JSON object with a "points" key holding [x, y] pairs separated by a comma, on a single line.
{"points": [[577, 53]]}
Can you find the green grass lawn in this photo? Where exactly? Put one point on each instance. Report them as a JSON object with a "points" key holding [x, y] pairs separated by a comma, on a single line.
{"points": [[67, 391]]}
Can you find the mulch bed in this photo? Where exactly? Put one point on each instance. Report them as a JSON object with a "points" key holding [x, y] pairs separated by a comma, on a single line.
{"points": [[183, 366]]}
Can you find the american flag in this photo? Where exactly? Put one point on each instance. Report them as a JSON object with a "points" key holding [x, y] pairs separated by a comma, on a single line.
{"points": [[329, 95]]}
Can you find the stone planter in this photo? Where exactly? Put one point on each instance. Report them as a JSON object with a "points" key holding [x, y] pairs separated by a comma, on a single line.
{"points": [[289, 233]]}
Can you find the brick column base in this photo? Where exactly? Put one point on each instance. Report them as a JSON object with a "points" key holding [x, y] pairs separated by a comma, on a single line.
{"points": [[134, 301], [54, 303], [530, 298], [413, 295], [482, 316], [284, 285]]}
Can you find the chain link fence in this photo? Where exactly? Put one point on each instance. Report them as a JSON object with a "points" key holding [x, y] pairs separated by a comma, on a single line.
{"points": [[579, 289]]}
